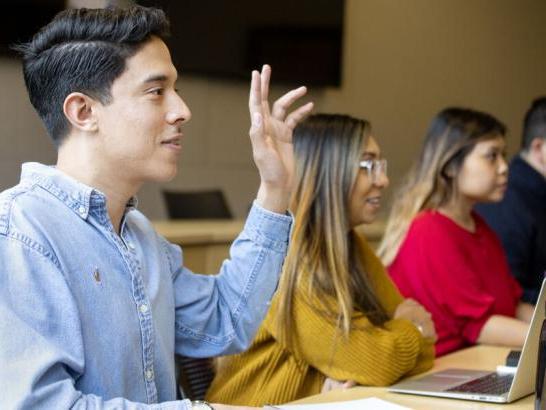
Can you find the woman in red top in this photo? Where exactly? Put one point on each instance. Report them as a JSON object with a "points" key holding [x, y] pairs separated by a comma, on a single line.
{"points": [[440, 252]]}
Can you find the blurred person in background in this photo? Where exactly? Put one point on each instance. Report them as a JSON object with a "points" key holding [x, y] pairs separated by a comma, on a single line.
{"points": [[519, 219], [440, 252]]}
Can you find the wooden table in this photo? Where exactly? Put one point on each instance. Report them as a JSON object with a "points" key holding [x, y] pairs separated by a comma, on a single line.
{"points": [[206, 242], [477, 357]]}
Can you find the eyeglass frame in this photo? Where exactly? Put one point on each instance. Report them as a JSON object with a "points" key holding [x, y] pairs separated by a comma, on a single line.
{"points": [[374, 167]]}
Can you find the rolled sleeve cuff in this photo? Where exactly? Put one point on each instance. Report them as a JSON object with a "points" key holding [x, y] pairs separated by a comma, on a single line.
{"points": [[268, 229], [473, 328]]}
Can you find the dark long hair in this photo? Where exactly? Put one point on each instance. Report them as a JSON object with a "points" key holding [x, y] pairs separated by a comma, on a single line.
{"points": [[327, 149]]}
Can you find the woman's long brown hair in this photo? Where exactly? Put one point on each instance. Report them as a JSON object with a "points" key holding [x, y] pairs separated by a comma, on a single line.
{"points": [[327, 149]]}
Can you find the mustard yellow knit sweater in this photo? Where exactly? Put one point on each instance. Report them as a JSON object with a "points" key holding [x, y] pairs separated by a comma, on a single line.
{"points": [[372, 355]]}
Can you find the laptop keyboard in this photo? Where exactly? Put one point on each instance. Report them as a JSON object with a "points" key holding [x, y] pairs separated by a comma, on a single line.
{"points": [[493, 384]]}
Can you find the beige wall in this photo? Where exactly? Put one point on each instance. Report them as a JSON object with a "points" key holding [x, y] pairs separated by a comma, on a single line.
{"points": [[407, 59], [21, 132], [403, 61]]}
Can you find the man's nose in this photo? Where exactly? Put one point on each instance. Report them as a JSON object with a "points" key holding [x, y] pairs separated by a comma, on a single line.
{"points": [[179, 111]]}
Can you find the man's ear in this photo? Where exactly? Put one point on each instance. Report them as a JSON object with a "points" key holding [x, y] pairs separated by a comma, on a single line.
{"points": [[535, 149], [537, 143], [79, 110]]}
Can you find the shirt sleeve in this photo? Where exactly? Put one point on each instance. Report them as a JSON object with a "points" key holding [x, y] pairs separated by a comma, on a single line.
{"points": [[41, 347], [371, 355], [220, 314]]}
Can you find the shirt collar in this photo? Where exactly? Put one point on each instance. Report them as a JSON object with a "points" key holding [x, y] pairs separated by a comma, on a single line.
{"points": [[80, 198]]}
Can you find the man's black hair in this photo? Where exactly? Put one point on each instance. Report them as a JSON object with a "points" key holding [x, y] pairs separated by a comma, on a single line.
{"points": [[84, 50], [534, 125]]}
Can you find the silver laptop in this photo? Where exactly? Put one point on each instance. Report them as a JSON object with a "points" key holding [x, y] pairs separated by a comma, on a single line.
{"points": [[495, 387]]}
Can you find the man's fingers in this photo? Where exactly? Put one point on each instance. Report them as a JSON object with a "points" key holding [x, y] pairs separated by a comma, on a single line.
{"points": [[256, 134], [255, 95], [280, 106], [265, 77], [295, 117]]}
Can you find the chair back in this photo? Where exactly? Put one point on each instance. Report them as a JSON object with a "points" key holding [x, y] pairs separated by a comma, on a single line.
{"points": [[194, 376], [197, 205]]}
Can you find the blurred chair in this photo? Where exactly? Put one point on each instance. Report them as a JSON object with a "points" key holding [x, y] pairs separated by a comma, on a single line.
{"points": [[194, 376], [197, 205]]}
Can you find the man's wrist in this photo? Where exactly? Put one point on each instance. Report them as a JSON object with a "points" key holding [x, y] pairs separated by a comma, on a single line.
{"points": [[201, 405], [273, 199]]}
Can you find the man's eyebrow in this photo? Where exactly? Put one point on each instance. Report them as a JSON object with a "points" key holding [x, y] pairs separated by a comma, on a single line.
{"points": [[155, 78]]}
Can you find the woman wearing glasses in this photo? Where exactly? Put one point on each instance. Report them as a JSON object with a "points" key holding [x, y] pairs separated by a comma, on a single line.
{"points": [[336, 315], [440, 252]]}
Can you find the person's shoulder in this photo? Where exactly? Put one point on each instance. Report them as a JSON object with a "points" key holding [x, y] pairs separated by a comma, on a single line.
{"points": [[432, 230], [427, 221], [27, 221], [16, 204]]}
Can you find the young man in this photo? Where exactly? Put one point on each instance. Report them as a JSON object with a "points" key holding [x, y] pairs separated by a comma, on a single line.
{"points": [[520, 218], [93, 303]]}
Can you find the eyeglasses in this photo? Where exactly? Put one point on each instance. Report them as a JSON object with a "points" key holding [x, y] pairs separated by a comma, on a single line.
{"points": [[375, 168]]}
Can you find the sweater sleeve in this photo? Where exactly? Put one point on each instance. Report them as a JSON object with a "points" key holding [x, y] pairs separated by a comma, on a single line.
{"points": [[371, 355]]}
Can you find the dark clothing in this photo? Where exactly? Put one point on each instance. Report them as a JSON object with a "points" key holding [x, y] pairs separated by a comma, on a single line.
{"points": [[520, 222]]}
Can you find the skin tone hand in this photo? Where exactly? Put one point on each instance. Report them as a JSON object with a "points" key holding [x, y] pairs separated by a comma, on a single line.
{"points": [[411, 310], [333, 384], [271, 138]]}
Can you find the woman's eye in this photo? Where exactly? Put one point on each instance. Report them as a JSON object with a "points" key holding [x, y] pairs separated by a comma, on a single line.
{"points": [[492, 156]]}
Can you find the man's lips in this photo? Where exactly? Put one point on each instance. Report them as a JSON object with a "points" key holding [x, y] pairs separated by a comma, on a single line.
{"points": [[173, 141]]}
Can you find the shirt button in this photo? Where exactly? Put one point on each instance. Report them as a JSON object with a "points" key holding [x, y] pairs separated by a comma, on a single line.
{"points": [[81, 210], [143, 308], [131, 246], [149, 374]]}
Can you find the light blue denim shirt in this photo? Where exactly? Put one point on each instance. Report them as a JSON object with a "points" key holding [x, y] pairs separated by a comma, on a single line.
{"points": [[91, 320]]}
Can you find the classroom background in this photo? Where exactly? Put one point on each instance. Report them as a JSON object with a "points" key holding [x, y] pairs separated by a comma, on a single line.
{"points": [[403, 60]]}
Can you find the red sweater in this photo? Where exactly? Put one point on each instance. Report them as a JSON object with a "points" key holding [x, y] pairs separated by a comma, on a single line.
{"points": [[462, 278]]}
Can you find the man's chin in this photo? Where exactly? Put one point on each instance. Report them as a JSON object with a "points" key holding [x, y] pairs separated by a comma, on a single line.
{"points": [[165, 176]]}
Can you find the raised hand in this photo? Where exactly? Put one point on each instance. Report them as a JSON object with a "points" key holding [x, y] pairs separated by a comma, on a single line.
{"points": [[271, 138]]}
